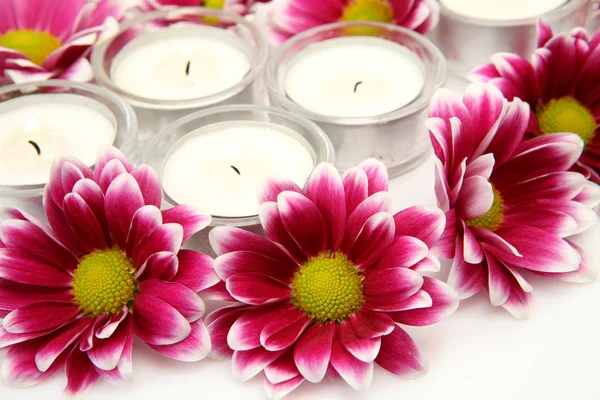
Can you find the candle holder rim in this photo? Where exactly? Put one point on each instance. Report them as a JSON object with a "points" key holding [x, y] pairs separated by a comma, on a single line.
{"points": [[247, 220], [103, 78], [130, 120], [420, 102], [567, 8]]}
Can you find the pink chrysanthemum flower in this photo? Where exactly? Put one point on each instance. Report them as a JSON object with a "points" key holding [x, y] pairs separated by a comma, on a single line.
{"points": [[509, 204], [326, 293], [51, 39], [560, 84], [110, 267], [289, 17], [241, 7]]}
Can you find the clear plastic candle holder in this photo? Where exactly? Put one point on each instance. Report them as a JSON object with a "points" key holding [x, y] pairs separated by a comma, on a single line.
{"points": [[179, 133], [57, 108], [398, 138], [184, 28], [469, 42]]}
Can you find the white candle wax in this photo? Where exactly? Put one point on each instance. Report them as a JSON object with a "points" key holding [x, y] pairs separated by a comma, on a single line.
{"points": [[502, 9], [181, 63], [354, 77], [35, 129], [218, 168]]}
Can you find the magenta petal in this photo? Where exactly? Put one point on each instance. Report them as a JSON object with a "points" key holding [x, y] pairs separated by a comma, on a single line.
{"points": [[51, 351], [88, 337], [256, 288], [123, 199], [19, 367], [246, 364], [586, 272], [191, 220], [149, 184], [363, 349], [81, 373], [472, 251], [356, 188], [405, 251], [356, 373], [93, 196], [313, 351], [112, 324], [499, 284], [303, 221], [24, 267], [475, 198], [157, 322], [180, 297], [105, 156], [373, 241], [399, 354], [239, 262], [15, 295], [445, 303], [326, 190], [276, 391], [379, 202], [446, 245], [27, 236], [218, 323], [225, 239], [544, 32], [270, 218], [195, 270], [421, 299], [59, 223], [245, 332], [369, 324], [144, 219], [271, 188], [429, 264], [377, 175], [282, 369], [83, 222], [39, 317], [106, 353], [518, 303], [424, 223], [284, 331], [193, 348], [8, 339], [162, 265], [384, 289], [467, 279], [167, 237]]}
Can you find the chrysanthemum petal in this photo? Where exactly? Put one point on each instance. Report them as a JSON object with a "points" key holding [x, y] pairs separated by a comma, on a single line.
{"points": [[272, 186], [218, 323], [282, 369], [123, 199], [239, 262], [270, 218], [106, 155], [112, 324], [59, 223], [59, 343], [356, 188], [475, 198], [22, 266], [586, 273], [399, 354], [193, 348], [144, 219], [364, 350], [379, 202], [81, 373], [19, 367], [303, 221], [276, 391], [256, 288], [313, 351], [405, 251], [424, 223], [373, 240], [93, 196], [195, 270], [106, 353], [481, 166], [180, 297], [246, 364], [369, 324], [157, 322], [188, 217], [518, 303], [428, 264], [554, 222], [15, 295], [472, 251], [445, 302], [377, 175], [83, 222], [149, 184], [326, 190], [589, 195], [499, 284], [445, 247], [167, 237], [226, 239], [556, 185], [421, 299], [39, 317], [245, 332], [356, 373], [385, 288], [284, 331], [467, 279], [161, 265]]}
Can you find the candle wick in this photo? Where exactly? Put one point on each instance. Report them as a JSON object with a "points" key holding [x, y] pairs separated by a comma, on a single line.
{"points": [[35, 145], [356, 86], [187, 68], [235, 169]]}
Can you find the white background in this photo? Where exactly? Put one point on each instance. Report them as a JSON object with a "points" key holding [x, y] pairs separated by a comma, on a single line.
{"points": [[480, 353]]}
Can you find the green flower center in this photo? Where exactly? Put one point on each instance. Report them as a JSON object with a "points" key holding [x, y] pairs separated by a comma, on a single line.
{"points": [[37, 46], [368, 10], [492, 219], [104, 281], [567, 115], [328, 288]]}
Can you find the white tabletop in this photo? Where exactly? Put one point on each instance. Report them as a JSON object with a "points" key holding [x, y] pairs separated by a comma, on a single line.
{"points": [[479, 353]]}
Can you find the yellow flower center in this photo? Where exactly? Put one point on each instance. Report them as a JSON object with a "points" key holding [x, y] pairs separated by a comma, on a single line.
{"points": [[216, 4], [104, 281], [492, 219], [567, 115], [368, 10], [37, 46], [328, 288]]}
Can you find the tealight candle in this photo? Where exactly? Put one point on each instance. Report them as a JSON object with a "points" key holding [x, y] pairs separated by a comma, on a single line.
{"points": [[181, 63], [218, 168], [354, 77], [502, 9], [41, 121], [216, 159]]}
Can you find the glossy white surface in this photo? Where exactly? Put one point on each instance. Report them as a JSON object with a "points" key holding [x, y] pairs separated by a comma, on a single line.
{"points": [[502, 9]]}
